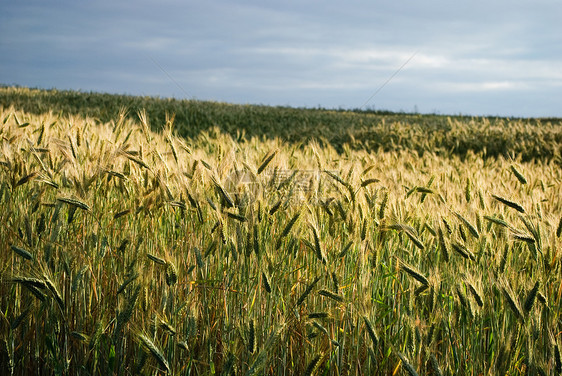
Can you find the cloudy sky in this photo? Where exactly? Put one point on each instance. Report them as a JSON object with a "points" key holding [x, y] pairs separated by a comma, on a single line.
{"points": [[476, 58]]}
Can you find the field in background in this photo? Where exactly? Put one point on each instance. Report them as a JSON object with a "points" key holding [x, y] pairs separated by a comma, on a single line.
{"points": [[527, 139], [256, 240]]}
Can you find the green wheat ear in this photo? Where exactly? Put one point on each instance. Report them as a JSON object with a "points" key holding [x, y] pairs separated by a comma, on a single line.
{"points": [[155, 352], [518, 175]]}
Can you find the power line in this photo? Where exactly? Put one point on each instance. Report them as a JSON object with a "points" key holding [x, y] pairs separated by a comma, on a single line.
{"points": [[389, 79], [170, 77]]}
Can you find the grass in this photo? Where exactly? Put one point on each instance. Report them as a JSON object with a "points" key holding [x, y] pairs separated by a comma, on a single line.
{"points": [[131, 249]]}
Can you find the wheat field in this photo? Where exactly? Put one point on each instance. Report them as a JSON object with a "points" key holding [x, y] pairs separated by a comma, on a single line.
{"points": [[129, 249]]}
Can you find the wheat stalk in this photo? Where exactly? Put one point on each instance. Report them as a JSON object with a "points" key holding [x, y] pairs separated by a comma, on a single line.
{"points": [[406, 365], [518, 175], [155, 352], [509, 203], [266, 161], [307, 291], [331, 295], [417, 275]]}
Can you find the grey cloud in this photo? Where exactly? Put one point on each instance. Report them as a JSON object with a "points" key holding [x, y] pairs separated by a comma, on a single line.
{"points": [[480, 57]]}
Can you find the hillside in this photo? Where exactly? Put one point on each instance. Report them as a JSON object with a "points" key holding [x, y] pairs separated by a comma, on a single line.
{"points": [[527, 139]]}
